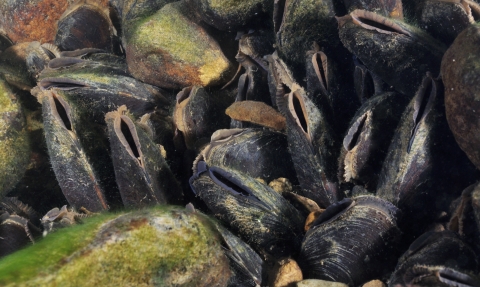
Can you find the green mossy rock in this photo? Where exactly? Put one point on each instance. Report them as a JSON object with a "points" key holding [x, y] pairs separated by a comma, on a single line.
{"points": [[169, 50], [163, 246], [14, 143]]}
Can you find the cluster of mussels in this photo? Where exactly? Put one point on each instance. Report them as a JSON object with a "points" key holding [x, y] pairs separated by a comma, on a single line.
{"points": [[343, 140]]}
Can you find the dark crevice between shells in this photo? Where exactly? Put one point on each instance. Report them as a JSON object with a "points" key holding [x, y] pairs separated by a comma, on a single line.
{"points": [[81, 52], [297, 109], [62, 112], [320, 64], [129, 138], [333, 211], [229, 183], [372, 21], [278, 14], [454, 278], [126, 133], [422, 241], [58, 63], [423, 104], [354, 133], [61, 84], [364, 83]]}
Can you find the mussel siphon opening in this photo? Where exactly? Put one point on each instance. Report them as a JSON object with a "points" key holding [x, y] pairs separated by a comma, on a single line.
{"points": [[354, 133], [377, 25], [62, 112], [423, 105], [333, 211], [221, 178], [129, 137], [299, 112], [320, 65], [368, 86], [455, 278]]}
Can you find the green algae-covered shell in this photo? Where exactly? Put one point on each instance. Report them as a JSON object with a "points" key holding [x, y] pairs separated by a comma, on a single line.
{"points": [[14, 144], [164, 246], [170, 50], [230, 14]]}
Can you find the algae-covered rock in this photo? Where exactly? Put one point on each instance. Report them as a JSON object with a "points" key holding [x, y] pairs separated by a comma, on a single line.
{"points": [[14, 145], [169, 50], [165, 246]]}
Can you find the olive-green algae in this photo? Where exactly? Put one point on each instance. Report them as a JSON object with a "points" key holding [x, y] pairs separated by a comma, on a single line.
{"points": [[163, 246], [180, 51], [14, 143]]}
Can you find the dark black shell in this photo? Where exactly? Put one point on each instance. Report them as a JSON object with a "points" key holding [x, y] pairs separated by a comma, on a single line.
{"points": [[366, 143], [424, 168], [444, 20], [258, 153], [400, 54], [353, 241], [78, 180], [100, 87], [141, 172], [436, 258], [86, 25], [199, 113], [253, 211]]}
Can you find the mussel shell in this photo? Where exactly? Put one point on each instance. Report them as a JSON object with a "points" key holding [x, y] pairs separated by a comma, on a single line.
{"points": [[5, 42], [316, 21], [366, 142], [16, 232], [74, 173], [34, 20], [21, 63], [141, 172], [229, 15], [399, 53], [246, 265], [253, 211], [86, 25], [99, 87], [311, 141], [198, 113], [460, 74], [387, 8], [257, 153], [424, 169], [353, 241], [444, 249], [327, 85], [444, 20]]}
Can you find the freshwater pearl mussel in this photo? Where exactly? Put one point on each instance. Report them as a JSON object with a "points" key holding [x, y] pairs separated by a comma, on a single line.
{"points": [[357, 139]]}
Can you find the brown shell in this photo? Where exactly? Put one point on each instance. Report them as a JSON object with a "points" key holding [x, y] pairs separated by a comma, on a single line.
{"points": [[460, 73]]}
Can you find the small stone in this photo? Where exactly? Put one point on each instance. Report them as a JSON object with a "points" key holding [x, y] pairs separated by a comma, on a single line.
{"points": [[281, 185], [288, 273], [319, 283], [258, 113], [374, 283]]}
